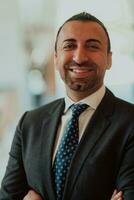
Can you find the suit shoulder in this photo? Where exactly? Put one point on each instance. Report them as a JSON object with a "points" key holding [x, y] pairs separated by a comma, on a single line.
{"points": [[120, 104], [38, 114], [49, 107], [112, 104], [124, 110], [124, 105]]}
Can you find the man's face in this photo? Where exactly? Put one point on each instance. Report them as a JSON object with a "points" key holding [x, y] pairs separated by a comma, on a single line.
{"points": [[82, 57]]}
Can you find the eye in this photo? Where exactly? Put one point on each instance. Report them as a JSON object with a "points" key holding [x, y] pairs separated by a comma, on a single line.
{"points": [[93, 46], [69, 46]]}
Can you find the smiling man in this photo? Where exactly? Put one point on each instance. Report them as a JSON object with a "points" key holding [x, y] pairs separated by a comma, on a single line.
{"points": [[82, 56], [80, 147]]}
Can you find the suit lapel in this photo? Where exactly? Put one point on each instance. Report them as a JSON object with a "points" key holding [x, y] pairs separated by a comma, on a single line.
{"points": [[95, 129], [48, 133]]}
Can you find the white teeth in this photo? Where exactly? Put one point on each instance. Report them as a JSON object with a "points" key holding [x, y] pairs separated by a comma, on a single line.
{"points": [[80, 70]]}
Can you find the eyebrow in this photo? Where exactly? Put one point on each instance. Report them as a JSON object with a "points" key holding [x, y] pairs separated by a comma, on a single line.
{"points": [[89, 40], [94, 40], [69, 40]]}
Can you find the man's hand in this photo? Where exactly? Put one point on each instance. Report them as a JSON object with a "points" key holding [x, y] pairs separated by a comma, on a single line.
{"points": [[117, 195], [32, 195]]}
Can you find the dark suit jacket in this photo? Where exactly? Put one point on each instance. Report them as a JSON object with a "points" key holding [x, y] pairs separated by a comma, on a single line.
{"points": [[103, 161]]}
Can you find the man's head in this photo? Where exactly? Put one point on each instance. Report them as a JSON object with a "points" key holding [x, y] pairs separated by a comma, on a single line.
{"points": [[82, 54], [85, 17]]}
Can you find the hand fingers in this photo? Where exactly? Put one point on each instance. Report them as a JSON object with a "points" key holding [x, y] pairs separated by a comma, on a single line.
{"points": [[117, 195], [114, 193], [32, 195]]}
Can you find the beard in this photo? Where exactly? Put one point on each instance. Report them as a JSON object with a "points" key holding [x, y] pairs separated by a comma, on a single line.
{"points": [[82, 84]]}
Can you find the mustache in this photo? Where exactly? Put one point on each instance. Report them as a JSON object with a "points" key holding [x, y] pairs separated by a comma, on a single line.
{"points": [[86, 64]]}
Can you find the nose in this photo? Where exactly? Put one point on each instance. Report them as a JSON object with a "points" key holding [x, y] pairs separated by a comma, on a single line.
{"points": [[80, 55]]}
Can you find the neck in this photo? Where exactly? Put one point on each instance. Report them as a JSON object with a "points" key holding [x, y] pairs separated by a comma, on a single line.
{"points": [[79, 95]]}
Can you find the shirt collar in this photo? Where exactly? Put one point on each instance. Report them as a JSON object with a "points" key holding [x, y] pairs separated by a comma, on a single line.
{"points": [[92, 100]]}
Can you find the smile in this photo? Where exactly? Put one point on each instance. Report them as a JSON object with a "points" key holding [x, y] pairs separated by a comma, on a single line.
{"points": [[80, 72]]}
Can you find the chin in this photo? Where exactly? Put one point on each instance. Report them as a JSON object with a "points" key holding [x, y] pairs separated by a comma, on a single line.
{"points": [[78, 87]]}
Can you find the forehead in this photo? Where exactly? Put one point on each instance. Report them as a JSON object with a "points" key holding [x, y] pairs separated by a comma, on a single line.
{"points": [[80, 30]]}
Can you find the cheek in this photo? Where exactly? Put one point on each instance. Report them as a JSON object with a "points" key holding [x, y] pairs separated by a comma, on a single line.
{"points": [[60, 62], [65, 57], [61, 59], [102, 61]]}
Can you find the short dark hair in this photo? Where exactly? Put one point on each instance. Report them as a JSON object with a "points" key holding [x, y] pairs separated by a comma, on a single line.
{"points": [[85, 17]]}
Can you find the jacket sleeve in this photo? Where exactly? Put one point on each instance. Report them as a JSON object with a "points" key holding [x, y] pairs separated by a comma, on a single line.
{"points": [[14, 184], [125, 180]]}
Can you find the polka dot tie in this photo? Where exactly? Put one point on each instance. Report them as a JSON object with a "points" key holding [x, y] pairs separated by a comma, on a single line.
{"points": [[66, 149]]}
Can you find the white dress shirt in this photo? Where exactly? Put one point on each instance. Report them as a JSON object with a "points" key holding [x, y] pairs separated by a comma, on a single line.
{"points": [[93, 101]]}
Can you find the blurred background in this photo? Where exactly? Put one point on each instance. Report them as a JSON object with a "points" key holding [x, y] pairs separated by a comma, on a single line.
{"points": [[27, 75]]}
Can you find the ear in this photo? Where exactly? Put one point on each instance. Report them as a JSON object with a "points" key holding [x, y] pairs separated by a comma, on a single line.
{"points": [[55, 60], [109, 60]]}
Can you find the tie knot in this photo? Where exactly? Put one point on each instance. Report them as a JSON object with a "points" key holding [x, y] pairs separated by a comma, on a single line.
{"points": [[77, 109]]}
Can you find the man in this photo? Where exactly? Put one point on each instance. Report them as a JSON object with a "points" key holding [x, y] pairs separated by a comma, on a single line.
{"points": [[103, 158]]}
